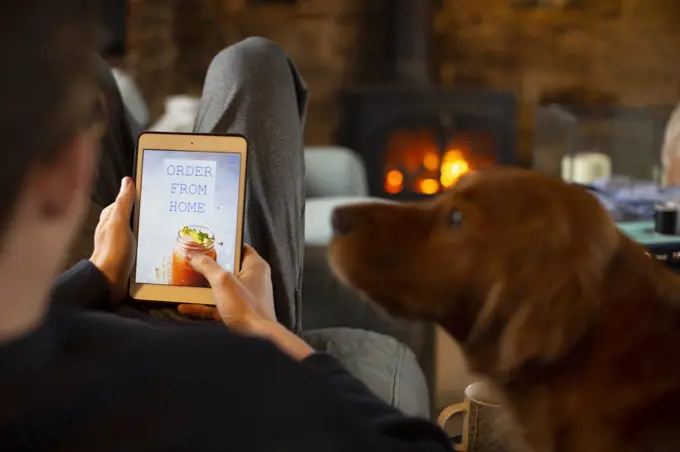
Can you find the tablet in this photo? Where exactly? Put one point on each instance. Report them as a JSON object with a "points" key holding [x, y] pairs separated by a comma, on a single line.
{"points": [[190, 199]]}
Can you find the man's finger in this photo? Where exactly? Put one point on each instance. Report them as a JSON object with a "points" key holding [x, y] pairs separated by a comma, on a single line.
{"points": [[248, 251], [126, 198], [250, 257]]}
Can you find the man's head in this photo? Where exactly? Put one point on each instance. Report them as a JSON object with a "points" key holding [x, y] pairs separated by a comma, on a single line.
{"points": [[50, 110]]}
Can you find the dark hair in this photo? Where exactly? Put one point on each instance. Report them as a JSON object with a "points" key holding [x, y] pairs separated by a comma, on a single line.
{"points": [[48, 85]]}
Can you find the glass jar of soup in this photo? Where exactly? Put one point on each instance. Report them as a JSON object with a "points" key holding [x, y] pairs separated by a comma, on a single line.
{"points": [[194, 240]]}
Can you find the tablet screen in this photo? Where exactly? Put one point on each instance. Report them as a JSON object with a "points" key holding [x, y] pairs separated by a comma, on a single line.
{"points": [[189, 203]]}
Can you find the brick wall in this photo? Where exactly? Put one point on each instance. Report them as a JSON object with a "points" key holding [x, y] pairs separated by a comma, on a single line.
{"points": [[621, 49], [324, 37], [627, 50]]}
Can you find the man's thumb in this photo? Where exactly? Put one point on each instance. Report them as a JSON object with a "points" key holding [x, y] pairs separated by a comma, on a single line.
{"points": [[126, 197], [225, 285], [207, 266]]}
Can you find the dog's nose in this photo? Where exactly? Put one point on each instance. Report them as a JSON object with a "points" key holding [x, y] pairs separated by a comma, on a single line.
{"points": [[342, 220]]}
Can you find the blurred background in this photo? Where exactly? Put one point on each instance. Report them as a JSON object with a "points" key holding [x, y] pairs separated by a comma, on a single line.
{"points": [[407, 95], [603, 52]]}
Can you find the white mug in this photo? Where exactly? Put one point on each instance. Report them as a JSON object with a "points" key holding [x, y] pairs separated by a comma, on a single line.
{"points": [[485, 423]]}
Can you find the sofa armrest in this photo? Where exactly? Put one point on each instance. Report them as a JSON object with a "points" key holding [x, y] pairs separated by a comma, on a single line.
{"points": [[318, 211]]}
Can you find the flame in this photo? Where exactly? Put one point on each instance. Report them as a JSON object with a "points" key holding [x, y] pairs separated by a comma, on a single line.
{"points": [[414, 162], [453, 166], [394, 182], [431, 161], [427, 186]]}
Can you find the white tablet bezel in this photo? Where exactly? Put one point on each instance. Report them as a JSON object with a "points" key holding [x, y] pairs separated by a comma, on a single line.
{"points": [[232, 144]]}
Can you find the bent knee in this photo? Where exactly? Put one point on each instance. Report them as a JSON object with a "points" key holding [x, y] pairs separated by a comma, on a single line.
{"points": [[252, 53], [262, 47]]}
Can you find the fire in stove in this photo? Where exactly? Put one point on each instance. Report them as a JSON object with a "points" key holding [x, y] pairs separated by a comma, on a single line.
{"points": [[415, 138], [417, 163]]}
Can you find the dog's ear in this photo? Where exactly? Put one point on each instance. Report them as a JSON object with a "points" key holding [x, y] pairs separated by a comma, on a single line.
{"points": [[537, 312], [549, 319]]}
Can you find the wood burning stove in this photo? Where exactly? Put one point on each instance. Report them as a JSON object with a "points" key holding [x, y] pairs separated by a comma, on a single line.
{"points": [[417, 139]]}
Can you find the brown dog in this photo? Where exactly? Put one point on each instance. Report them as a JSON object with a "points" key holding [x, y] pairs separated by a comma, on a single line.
{"points": [[575, 324]]}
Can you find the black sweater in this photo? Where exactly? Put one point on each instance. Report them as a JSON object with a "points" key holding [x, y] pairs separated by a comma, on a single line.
{"points": [[89, 380]]}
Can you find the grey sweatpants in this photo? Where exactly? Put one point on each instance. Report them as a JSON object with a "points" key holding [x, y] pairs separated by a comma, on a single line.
{"points": [[251, 89]]}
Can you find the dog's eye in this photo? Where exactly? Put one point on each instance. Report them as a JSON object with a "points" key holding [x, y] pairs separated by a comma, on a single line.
{"points": [[456, 218]]}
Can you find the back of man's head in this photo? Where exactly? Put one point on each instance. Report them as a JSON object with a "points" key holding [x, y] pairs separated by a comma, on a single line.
{"points": [[48, 89]]}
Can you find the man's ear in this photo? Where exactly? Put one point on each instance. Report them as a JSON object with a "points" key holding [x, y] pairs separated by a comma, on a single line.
{"points": [[549, 321], [68, 177]]}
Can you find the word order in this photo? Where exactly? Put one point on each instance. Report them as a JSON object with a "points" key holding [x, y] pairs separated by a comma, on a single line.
{"points": [[189, 170]]}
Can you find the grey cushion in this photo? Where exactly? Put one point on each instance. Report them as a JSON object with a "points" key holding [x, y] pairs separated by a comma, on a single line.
{"points": [[386, 366], [334, 171]]}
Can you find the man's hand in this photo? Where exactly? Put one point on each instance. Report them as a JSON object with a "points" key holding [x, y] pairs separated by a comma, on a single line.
{"points": [[245, 302], [114, 242], [253, 284]]}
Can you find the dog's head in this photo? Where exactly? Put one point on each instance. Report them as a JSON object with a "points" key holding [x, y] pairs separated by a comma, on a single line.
{"points": [[509, 262]]}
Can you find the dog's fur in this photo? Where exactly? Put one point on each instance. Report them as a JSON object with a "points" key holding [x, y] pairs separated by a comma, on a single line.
{"points": [[573, 321]]}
